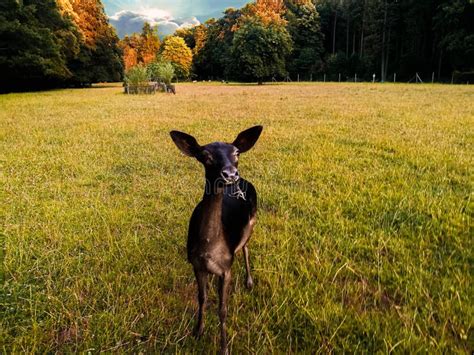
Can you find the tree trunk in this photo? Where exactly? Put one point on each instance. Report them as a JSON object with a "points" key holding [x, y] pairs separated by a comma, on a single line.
{"points": [[347, 38], [361, 51], [353, 42], [334, 32], [440, 61], [387, 54], [382, 69]]}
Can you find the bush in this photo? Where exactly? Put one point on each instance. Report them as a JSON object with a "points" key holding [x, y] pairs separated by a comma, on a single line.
{"points": [[137, 76], [162, 71]]}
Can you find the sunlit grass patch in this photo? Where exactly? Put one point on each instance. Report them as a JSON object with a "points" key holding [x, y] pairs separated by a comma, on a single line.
{"points": [[363, 239]]}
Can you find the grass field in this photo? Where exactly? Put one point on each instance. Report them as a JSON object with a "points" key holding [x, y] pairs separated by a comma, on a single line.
{"points": [[364, 239]]}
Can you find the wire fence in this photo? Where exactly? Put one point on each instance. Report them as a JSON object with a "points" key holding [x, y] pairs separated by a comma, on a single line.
{"points": [[417, 78]]}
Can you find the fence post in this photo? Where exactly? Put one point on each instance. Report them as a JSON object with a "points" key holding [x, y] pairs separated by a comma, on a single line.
{"points": [[298, 77], [355, 78], [394, 77], [311, 77], [339, 77], [452, 78], [432, 78], [324, 77], [373, 78]]}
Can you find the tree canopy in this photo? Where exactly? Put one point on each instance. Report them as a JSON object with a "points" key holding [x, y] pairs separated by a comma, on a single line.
{"points": [[44, 43], [337, 37], [178, 54], [259, 51], [140, 48]]}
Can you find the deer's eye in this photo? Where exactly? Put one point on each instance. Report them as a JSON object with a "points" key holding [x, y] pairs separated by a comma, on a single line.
{"points": [[207, 157]]}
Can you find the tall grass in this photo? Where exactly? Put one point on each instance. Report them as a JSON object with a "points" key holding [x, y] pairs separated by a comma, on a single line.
{"points": [[363, 241], [137, 76]]}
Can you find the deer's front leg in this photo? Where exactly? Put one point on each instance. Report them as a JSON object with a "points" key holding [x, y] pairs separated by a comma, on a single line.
{"points": [[224, 283], [201, 278], [249, 282]]}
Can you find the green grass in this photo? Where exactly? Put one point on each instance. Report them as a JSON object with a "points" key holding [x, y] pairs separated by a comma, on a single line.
{"points": [[364, 233]]}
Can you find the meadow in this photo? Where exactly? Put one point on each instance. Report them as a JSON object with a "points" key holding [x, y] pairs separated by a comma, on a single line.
{"points": [[363, 241]]}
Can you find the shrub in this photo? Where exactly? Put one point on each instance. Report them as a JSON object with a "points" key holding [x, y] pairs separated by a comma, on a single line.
{"points": [[161, 70], [137, 76]]}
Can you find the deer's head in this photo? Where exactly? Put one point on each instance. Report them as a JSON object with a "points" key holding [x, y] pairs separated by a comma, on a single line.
{"points": [[220, 159]]}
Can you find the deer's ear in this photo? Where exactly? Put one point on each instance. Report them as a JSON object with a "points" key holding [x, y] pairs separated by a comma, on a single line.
{"points": [[186, 143], [247, 139]]}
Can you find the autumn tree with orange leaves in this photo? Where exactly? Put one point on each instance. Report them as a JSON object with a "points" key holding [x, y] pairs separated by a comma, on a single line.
{"points": [[140, 48], [100, 58], [269, 12]]}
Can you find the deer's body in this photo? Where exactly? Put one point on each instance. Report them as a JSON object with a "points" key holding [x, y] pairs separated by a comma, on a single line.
{"points": [[222, 222], [220, 226]]}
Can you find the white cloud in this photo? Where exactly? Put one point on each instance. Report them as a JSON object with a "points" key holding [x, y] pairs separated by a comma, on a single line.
{"points": [[189, 22], [127, 22]]}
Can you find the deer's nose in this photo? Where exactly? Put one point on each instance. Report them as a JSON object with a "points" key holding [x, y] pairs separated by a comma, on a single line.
{"points": [[230, 174]]}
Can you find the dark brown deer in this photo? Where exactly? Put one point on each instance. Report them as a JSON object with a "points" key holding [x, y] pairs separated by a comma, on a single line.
{"points": [[222, 222]]}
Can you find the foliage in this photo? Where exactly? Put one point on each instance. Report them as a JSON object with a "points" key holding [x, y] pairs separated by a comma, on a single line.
{"points": [[304, 28], [268, 12], [161, 70], [36, 44], [363, 241], [140, 48], [401, 36], [341, 36], [149, 44], [178, 54], [137, 76], [44, 44], [215, 57], [100, 58], [259, 51]]}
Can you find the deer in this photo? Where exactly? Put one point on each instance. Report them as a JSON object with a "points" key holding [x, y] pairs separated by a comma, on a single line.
{"points": [[222, 222]]}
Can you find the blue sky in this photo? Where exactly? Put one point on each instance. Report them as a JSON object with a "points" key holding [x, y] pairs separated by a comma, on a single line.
{"points": [[128, 16]]}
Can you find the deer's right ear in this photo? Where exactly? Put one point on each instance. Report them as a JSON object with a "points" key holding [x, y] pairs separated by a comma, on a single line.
{"points": [[186, 143]]}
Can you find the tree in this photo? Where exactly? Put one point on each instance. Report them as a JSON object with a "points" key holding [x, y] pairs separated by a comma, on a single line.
{"points": [[36, 43], [215, 57], [129, 47], [178, 54], [269, 12], [259, 51], [454, 27], [149, 44], [140, 48], [304, 28], [57, 43], [100, 57]]}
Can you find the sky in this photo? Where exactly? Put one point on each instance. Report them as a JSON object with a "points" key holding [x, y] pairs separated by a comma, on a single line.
{"points": [[128, 16]]}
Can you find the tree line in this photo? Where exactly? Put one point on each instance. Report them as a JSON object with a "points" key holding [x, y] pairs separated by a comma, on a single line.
{"points": [[48, 43], [339, 38]]}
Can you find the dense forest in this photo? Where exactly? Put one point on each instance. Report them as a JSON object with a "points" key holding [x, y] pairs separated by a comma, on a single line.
{"points": [[310, 39], [44, 43], [48, 43]]}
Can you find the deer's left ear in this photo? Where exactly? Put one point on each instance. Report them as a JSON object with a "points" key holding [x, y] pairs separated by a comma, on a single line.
{"points": [[247, 139], [186, 143]]}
